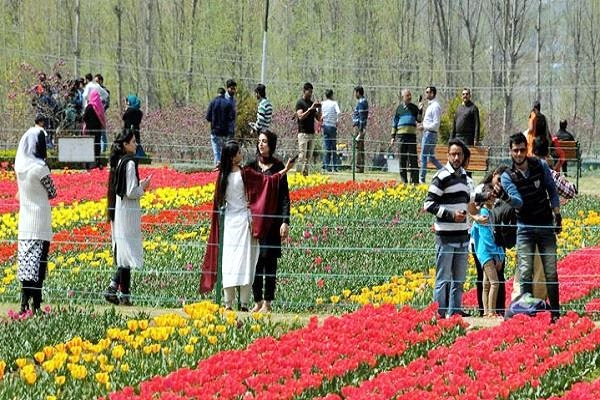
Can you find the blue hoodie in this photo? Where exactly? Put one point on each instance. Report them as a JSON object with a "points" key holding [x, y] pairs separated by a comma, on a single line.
{"points": [[486, 248]]}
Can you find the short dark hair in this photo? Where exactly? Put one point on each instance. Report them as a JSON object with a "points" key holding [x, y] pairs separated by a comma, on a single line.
{"points": [[516, 138], [432, 89], [39, 118], [100, 78], [329, 93], [89, 77], [563, 124], [467, 155], [261, 90], [308, 86], [537, 106], [360, 90], [220, 91], [461, 144], [230, 83]]}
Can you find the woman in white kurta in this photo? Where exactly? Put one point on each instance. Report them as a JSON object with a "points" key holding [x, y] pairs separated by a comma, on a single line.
{"points": [[124, 212], [240, 249], [36, 188], [246, 196]]}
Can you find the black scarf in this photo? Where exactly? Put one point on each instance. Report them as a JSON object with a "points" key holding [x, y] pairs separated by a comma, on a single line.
{"points": [[121, 174], [118, 183]]}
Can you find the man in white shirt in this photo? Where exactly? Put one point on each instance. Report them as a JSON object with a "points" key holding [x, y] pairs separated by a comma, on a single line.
{"points": [[430, 127], [330, 111], [93, 85]]}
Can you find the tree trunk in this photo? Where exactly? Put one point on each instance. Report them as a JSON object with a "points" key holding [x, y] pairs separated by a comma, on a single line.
{"points": [[148, 44], [191, 53], [576, 35], [119, 12], [77, 51]]}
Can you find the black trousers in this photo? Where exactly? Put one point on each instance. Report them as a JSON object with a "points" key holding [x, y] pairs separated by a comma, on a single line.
{"points": [[266, 270], [32, 289], [407, 150]]}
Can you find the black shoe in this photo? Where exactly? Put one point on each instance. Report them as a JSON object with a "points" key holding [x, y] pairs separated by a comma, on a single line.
{"points": [[462, 313], [111, 295], [125, 300], [244, 309]]}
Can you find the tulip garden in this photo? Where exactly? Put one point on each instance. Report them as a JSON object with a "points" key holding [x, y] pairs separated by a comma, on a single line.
{"points": [[353, 316]]}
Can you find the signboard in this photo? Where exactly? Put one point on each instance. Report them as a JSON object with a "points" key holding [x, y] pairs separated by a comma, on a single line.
{"points": [[76, 149]]}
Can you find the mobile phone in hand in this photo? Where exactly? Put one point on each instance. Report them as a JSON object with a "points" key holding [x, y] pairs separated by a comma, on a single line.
{"points": [[420, 98], [293, 159]]}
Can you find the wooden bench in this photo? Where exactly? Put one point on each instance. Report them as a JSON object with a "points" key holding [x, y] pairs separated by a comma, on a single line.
{"points": [[479, 157], [572, 155]]}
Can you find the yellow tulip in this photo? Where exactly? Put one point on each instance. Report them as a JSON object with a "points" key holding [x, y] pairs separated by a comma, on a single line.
{"points": [[102, 378], [39, 357], [118, 352]]}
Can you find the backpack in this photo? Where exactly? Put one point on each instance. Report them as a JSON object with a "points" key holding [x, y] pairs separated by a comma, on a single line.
{"points": [[505, 225], [526, 304]]}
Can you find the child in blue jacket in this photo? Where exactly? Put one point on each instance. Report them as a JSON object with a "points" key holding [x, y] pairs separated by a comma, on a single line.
{"points": [[490, 255]]}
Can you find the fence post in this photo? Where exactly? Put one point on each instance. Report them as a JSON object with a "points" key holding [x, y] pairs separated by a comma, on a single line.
{"points": [[219, 286], [353, 158]]}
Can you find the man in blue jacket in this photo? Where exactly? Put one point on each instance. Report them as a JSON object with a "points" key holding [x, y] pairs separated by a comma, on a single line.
{"points": [[530, 189], [220, 114]]}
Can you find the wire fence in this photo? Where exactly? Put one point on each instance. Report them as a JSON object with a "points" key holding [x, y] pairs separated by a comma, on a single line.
{"points": [[321, 260]]}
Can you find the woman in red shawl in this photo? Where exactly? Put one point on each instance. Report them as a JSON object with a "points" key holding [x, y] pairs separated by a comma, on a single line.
{"points": [[246, 196], [94, 122]]}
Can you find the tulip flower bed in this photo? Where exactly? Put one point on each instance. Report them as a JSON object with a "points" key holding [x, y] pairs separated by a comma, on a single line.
{"points": [[310, 359], [581, 391], [517, 358], [579, 282], [104, 352], [350, 244]]}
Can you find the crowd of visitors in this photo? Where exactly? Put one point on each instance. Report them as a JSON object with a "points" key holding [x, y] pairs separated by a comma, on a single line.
{"points": [[516, 205]]}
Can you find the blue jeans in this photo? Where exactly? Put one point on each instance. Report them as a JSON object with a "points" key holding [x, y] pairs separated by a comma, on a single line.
{"points": [[528, 237], [217, 143], [428, 153], [450, 275], [330, 158]]}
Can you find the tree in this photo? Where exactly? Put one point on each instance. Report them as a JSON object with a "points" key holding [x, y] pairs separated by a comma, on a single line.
{"points": [[513, 16], [191, 51], [470, 14]]}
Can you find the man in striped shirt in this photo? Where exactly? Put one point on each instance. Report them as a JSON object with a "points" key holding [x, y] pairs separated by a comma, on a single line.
{"points": [[264, 114], [447, 199]]}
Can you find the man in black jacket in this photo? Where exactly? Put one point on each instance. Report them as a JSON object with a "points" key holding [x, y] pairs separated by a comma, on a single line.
{"points": [[219, 114], [466, 120]]}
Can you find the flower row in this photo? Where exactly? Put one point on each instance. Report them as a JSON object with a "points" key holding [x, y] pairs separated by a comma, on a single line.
{"points": [[82, 186], [303, 359], [140, 350], [485, 364], [581, 391], [172, 191]]}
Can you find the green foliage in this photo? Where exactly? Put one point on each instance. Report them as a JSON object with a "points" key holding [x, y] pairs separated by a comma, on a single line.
{"points": [[246, 112], [447, 120]]}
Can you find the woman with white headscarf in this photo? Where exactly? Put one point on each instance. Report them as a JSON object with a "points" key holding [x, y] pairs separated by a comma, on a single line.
{"points": [[36, 188]]}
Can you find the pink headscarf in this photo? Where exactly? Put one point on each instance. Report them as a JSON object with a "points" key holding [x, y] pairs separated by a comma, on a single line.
{"points": [[96, 102]]}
